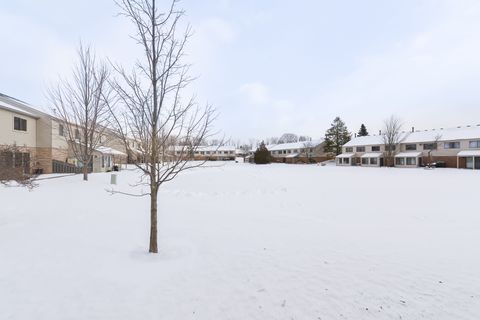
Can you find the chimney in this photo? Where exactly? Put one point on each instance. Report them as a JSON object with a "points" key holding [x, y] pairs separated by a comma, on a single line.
{"points": [[413, 129], [355, 135], [379, 132]]}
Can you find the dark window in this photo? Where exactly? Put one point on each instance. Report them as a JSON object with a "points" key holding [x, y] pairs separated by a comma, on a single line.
{"points": [[451, 145], [360, 149], [19, 124], [400, 161], [77, 134], [346, 160], [390, 147], [411, 147], [61, 131], [373, 161], [349, 149], [375, 148], [364, 160], [429, 146]]}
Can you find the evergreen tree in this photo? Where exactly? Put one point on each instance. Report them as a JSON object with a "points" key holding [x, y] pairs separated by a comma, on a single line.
{"points": [[262, 155], [336, 137], [363, 131]]}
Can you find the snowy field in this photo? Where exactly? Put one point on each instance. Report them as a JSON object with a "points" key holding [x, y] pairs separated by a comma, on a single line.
{"points": [[247, 242]]}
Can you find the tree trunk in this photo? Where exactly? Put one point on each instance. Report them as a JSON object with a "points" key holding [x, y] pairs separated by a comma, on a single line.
{"points": [[85, 172], [153, 222]]}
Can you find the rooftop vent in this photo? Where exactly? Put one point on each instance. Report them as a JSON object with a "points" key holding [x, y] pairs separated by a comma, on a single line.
{"points": [[468, 126], [459, 127]]}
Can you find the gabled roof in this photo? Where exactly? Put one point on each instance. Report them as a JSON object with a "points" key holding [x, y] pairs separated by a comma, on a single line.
{"points": [[295, 145]]}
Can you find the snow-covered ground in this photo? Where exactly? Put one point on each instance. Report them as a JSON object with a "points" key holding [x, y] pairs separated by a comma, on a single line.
{"points": [[247, 242]]}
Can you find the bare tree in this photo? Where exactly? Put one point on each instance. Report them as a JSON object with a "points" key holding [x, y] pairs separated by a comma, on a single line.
{"points": [[81, 106], [17, 166], [288, 138], [433, 147], [392, 136], [150, 107]]}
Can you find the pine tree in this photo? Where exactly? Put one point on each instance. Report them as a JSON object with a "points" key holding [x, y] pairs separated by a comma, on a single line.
{"points": [[262, 155], [363, 131], [336, 137]]}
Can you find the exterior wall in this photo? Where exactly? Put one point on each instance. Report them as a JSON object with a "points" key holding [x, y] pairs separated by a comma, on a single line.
{"points": [[9, 136]]}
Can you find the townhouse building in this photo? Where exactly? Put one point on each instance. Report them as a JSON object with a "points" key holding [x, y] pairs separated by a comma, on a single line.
{"points": [[298, 152], [450, 147], [211, 153]]}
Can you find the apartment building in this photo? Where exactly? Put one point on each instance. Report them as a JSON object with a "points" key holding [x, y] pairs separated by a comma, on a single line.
{"points": [[41, 140], [450, 147]]}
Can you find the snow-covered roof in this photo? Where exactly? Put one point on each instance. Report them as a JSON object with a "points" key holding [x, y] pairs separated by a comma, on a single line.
{"points": [[447, 134], [372, 155], [469, 153], [372, 140], [408, 155], [295, 145], [7, 104], [216, 148], [365, 141], [345, 155], [108, 150]]}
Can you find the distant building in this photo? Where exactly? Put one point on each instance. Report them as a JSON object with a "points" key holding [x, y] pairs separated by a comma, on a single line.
{"points": [[453, 147], [298, 152]]}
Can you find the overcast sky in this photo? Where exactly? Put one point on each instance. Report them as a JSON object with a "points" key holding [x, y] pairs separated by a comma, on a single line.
{"points": [[272, 66]]}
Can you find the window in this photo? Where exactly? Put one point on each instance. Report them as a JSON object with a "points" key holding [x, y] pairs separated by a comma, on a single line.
{"points": [[339, 160], [451, 145], [399, 161], [390, 147], [360, 149], [364, 161], [411, 147], [474, 144], [311, 149], [77, 134], [19, 124], [61, 130], [349, 149], [373, 161], [429, 146], [411, 161], [375, 148], [346, 160]]}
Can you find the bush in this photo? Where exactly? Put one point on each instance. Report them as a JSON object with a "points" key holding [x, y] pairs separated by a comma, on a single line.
{"points": [[262, 155]]}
